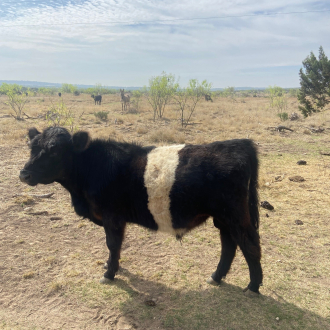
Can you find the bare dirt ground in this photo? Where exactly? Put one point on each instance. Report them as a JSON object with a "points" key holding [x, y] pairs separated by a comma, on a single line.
{"points": [[51, 260]]}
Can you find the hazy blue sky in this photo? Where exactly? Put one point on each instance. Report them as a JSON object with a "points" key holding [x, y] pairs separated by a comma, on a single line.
{"points": [[83, 48]]}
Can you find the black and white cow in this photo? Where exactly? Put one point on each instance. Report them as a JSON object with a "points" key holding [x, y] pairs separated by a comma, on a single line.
{"points": [[171, 189]]}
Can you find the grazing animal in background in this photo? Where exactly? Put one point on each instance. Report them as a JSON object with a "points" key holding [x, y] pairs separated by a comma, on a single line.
{"points": [[97, 99], [59, 94], [170, 188], [208, 98], [125, 100]]}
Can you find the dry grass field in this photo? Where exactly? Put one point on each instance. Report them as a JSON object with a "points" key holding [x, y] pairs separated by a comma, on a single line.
{"points": [[51, 260]]}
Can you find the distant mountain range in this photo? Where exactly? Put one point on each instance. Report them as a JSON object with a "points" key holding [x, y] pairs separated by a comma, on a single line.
{"points": [[38, 84]]}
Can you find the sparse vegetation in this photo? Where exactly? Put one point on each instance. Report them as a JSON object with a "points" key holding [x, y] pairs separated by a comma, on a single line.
{"points": [[188, 98], [283, 116], [67, 261], [68, 88], [137, 98], [60, 115], [160, 92], [17, 99], [102, 115], [229, 92]]}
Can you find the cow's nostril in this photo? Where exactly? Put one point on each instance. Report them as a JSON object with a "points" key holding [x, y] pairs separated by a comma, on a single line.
{"points": [[24, 176]]}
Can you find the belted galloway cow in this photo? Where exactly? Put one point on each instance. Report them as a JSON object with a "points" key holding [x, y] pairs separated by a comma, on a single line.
{"points": [[170, 188]]}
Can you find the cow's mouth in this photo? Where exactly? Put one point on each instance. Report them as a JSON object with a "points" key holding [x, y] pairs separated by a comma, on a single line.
{"points": [[27, 177]]}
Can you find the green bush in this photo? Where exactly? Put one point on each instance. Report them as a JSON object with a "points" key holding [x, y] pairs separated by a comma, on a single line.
{"points": [[283, 116], [60, 115], [102, 115], [17, 99]]}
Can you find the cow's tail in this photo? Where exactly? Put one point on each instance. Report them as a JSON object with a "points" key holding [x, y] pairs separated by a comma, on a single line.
{"points": [[253, 188]]}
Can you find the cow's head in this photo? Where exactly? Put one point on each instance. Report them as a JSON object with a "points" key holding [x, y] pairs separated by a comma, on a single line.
{"points": [[52, 152]]}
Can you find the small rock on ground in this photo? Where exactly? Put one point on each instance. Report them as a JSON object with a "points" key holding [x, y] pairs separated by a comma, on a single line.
{"points": [[296, 178], [298, 222], [301, 162], [279, 178], [150, 302], [266, 205]]}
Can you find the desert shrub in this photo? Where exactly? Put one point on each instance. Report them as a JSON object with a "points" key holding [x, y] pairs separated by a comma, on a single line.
{"points": [[137, 97], [283, 116], [76, 93], [160, 92], [16, 98], [277, 98], [142, 130], [60, 115], [102, 115], [230, 93], [68, 88], [188, 98]]}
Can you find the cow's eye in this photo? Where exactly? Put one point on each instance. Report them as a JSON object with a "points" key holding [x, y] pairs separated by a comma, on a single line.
{"points": [[53, 151], [35, 149]]}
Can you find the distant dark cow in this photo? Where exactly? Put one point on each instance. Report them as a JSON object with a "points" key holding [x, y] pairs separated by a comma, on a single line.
{"points": [[208, 98], [59, 94], [97, 99], [171, 189]]}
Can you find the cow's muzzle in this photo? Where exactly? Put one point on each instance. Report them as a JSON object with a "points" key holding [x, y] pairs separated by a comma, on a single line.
{"points": [[26, 177]]}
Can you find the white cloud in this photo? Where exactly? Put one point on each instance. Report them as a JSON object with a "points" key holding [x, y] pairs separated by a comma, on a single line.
{"points": [[221, 50]]}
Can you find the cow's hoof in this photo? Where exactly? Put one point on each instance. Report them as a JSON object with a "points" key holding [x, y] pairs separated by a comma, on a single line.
{"points": [[105, 266], [212, 282], [105, 280], [251, 294]]}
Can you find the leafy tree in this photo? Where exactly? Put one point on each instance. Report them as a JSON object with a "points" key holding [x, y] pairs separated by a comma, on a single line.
{"points": [[314, 92], [160, 91], [229, 92], [277, 98], [68, 88], [274, 92], [188, 98], [16, 98]]}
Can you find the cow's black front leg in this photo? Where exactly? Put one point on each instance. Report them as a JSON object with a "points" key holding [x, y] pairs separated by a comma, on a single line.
{"points": [[114, 239]]}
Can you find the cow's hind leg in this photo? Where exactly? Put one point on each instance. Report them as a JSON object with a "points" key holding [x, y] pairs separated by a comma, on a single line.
{"points": [[228, 251], [249, 242], [114, 239]]}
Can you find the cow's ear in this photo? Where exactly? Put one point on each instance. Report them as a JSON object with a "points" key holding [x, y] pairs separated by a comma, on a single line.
{"points": [[80, 141], [33, 132]]}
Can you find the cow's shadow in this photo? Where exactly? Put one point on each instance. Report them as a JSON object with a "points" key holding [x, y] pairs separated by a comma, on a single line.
{"points": [[224, 307]]}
